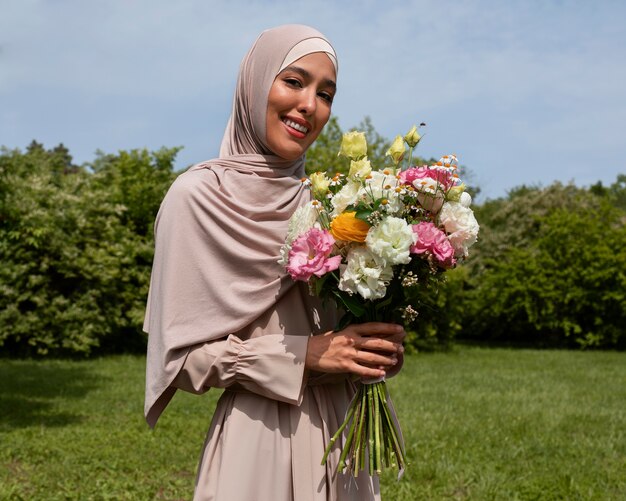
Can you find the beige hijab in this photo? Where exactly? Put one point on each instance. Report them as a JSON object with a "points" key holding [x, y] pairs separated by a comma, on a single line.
{"points": [[220, 227]]}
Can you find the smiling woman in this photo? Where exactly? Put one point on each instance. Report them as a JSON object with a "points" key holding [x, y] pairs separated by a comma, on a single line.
{"points": [[299, 105], [223, 313]]}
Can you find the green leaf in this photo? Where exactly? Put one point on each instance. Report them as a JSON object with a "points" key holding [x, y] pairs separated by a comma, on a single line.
{"points": [[363, 214], [351, 303]]}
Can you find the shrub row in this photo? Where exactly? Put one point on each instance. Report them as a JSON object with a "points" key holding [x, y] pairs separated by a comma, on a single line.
{"points": [[76, 247]]}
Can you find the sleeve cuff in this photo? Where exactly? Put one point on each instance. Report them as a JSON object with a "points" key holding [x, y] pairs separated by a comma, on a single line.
{"points": [[272, 365]]}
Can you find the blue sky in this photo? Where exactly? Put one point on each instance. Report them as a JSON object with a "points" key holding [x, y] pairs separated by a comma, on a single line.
{"points": [[524, 92]]}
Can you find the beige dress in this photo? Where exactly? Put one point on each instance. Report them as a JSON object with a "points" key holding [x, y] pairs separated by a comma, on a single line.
{"points": [[273, 422]]}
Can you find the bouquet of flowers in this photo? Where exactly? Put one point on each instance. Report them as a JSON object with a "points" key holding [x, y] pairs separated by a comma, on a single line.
{"points": [[366, 240]]}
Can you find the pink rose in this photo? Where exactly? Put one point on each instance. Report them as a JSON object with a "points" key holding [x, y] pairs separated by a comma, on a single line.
{"points": [[432, 240], [310, 255], [418, 176]]}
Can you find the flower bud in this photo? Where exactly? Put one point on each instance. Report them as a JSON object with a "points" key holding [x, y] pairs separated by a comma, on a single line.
{"points": [[353, 145], [412, 137], [319, 184], [397, 150], [360, 168], [466, 199], [454, 194]]}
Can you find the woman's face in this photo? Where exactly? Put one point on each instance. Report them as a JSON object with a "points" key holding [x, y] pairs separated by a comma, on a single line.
{"points": [[299, 105]]}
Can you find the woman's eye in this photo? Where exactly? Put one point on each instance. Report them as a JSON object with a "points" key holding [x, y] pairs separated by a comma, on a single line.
{"points": [[293, 82], [326, 96]]}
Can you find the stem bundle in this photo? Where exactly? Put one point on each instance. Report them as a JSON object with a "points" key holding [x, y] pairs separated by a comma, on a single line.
{"points": [[374, 439]]}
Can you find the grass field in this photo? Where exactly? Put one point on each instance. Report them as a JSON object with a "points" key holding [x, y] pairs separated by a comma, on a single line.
{"points": [[480, 424]]}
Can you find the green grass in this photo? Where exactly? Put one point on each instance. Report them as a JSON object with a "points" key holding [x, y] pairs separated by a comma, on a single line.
{"points": [[480, 424]]}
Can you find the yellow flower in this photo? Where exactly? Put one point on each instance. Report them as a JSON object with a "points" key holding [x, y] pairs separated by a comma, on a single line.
{"points": [[353, 145], [348, 228], [319, 184], [454, 193], [412, 137], [397, 150], [360, 168]]}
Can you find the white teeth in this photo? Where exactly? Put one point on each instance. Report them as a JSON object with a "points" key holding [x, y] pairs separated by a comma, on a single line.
{"points": [[296, 126]]}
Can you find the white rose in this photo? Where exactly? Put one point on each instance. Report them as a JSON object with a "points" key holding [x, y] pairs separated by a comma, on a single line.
{"points": [[391, 241], [461, 226], [302, 220], [347, 195], [466, 199], [364, 274]]}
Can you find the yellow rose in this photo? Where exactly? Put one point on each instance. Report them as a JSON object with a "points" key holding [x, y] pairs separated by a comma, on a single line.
{"points": [[348, 228], [412, 137], [319, 184], [397, 150], [360, 168], [454, 193], [353, 145]]}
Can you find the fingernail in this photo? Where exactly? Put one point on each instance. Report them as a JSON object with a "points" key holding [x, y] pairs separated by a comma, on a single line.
{"points": [[401, 349]]}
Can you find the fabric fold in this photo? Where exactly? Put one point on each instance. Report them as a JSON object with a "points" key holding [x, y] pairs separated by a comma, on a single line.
{"points": [[273, 366]]}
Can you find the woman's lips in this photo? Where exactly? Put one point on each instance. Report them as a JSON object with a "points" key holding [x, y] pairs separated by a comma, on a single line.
{"points": [[298, 128]]}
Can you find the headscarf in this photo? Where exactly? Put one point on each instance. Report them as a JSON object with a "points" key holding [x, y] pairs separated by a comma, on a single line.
{"points": [[220, 227]]}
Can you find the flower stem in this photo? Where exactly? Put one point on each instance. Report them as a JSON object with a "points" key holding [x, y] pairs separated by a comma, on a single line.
{"points": [[370, 427], [377, 432], [355, 410], [339, 431]]}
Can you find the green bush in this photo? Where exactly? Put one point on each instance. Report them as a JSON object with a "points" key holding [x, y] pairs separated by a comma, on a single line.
{"points": [[549, 270], [76, 248]]}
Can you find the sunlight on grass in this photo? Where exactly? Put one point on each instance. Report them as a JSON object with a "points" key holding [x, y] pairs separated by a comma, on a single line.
{"points": [[479, 424]]}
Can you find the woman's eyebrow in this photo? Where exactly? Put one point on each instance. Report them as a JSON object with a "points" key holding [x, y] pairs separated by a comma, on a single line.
{"points": [[305, 74]]}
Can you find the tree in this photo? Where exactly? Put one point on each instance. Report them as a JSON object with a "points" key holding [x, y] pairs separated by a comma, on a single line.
{"points": [[76, 249], [322, 155], [549, 269]]}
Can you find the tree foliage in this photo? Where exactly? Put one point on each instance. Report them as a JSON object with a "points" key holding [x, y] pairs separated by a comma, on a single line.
{"points": [[76, 248], [550, 269], [323, 156]]}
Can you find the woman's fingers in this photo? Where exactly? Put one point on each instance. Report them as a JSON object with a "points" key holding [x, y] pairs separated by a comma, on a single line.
{"points": [[379, 336], [367, 372], [375, 359], [367, 350], [380, 329], [378, 344]]}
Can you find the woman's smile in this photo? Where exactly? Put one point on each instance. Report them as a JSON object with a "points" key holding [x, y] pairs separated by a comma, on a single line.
{"points": [[297, 127]]}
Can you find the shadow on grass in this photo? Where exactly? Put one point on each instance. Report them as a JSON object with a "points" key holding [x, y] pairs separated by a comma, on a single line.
{"points": [[31, 393]]}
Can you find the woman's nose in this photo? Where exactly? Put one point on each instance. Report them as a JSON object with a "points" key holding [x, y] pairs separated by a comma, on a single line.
{"points": [[307, 103]]}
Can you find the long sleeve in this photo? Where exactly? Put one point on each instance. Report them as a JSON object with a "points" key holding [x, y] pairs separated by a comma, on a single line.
{"points": [[270, 365]]}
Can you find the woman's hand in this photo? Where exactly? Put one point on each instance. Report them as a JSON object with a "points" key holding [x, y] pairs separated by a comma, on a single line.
{"points": [[367, 350]]}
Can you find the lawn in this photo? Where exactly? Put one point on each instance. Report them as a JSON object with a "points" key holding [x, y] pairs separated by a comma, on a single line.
{"points": [[480, 424]]}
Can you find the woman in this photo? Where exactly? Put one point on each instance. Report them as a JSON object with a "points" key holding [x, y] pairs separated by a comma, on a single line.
{"points": [[222, 313]]}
